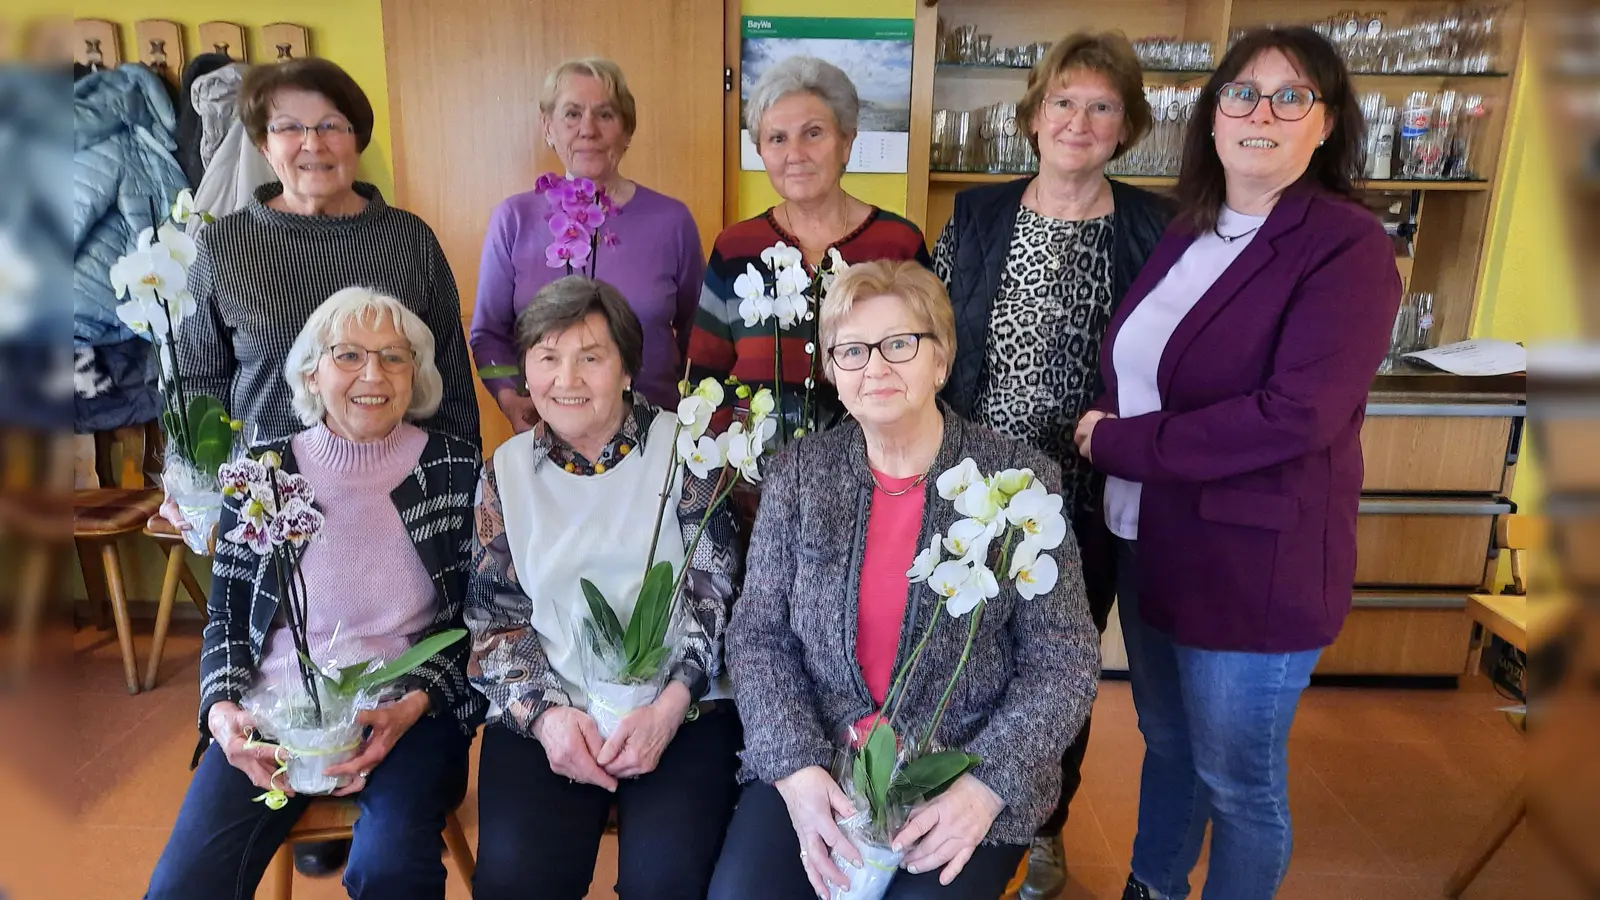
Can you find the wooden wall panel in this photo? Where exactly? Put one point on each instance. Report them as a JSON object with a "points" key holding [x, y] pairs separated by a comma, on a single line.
{"points": [[464, 83]]}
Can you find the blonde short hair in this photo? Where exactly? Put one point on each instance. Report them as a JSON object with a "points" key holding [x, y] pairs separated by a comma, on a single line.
{"points": [[601, 69], [1107, 53], [328, 323], [921, 291]]}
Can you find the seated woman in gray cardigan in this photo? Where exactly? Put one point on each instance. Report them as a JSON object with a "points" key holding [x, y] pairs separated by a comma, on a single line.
{"points": [[827, 615]]}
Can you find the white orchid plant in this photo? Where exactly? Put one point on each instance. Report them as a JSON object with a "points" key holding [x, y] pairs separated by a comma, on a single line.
{"points": [[153, 278], [1012, 508], [636, 653], [787, 295]]}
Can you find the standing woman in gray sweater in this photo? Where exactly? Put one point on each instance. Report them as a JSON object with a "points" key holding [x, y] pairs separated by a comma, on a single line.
{"points": [[262, 270], [828, 615]]}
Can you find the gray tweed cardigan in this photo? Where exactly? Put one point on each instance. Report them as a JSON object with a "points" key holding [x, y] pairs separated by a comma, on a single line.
{"points": [[1028, 684]]}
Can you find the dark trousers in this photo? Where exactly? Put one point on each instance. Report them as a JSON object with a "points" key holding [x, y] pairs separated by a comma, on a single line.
{"points": [[539, 834], [761, 858], [1097, 546], [223, 840]]}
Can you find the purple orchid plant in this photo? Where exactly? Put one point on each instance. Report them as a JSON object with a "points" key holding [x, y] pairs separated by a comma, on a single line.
{"points": [[578, 210]]}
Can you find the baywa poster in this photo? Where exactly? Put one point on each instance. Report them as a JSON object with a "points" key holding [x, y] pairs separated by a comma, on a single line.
{"points": [[875, 53]]}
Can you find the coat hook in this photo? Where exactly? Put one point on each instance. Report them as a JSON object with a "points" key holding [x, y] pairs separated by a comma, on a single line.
{"points": [[158, 53], [91, 47], [285, 52], [221, 48]]}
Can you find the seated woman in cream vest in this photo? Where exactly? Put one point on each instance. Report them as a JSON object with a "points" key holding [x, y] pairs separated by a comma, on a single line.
{"points": [[574, 498]]}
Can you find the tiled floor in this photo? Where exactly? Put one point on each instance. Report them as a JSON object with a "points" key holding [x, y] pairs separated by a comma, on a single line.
{"points": [[1387, 787]]}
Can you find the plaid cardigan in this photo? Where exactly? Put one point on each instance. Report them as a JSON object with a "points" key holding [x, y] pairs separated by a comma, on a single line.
{"points": [[435, 503]]}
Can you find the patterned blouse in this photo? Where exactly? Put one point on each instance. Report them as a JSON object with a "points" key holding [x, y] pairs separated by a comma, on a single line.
{"points": [[1041, 367], [508, 663]]}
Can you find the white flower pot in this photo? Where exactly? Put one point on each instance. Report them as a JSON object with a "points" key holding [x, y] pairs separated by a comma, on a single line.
{"points": [[871, 880], [609, 702], [309, 751], [202, 510]]}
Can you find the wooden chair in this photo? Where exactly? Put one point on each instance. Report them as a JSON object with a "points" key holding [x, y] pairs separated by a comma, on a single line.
{"points": [[170, 540], [35, 482], [334, 819], [104, 515]]}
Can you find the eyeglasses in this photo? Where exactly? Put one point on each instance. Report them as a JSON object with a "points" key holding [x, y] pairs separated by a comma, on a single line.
{"points": [[896, 348], [353, 357], [327, 131], [1289, 103], [1063, 109]]}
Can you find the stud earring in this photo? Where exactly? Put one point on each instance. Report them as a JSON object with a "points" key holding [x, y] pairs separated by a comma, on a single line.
{"points": [[1321, 142]]}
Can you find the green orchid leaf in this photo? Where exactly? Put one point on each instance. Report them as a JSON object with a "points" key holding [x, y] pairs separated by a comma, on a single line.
{"points": [[928, 776], [647, 627], [499, 372], [405, 662], [210, 434], [880, 755], [863, 783], [349, 674], [603, 617], [645, 669]]}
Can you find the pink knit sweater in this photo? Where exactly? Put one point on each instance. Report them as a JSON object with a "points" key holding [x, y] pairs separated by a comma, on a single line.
{"points": [[363, 576]]}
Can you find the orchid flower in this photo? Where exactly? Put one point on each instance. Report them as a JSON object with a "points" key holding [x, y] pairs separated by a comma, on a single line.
{"points": [[969, 540], [251, 533], [177, 245], [953, 482], [567, 228], [762, 405], [922, 567], [963, 585], [147, 274], [296, 524], [980, 501], [781, 256], [236, 477], [566, 253], [791, 281], [1039, 516], [1012, 481], [701, 457], [710, 390], [293, 486], [183, 207], [742, 450], [694, 413], [1034, 573]]}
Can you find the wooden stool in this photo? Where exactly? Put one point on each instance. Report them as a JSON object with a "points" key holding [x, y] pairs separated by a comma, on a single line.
{"points": [[333, 819], [170, 540], [99, 518]]}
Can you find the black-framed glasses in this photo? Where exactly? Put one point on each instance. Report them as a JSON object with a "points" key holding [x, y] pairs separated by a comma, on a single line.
{"points": [[1291, 103], [353, 357], [298, 131], [896, 348]]}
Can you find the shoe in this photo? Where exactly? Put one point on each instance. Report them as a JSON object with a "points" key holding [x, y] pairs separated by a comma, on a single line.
{"points": [[1047, 870], [319, 859], [1135, 890]]}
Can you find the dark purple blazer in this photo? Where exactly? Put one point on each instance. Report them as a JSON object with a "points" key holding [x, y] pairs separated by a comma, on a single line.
{"points": [[1252, 470]]}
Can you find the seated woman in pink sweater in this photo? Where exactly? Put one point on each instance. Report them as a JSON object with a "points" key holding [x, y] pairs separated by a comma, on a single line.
{"points": [[386, 572]]}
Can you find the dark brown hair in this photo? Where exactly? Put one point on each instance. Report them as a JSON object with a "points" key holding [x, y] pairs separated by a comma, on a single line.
{"points": [[1336, 165], [567, 301], [262, 83], [1107, 53]]}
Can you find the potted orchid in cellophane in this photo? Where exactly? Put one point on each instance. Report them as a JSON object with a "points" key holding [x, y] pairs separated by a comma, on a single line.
{"points": [[1010, 522], [200, 435], [312, 720], [576, 210], [788, 296], [627, 664]]}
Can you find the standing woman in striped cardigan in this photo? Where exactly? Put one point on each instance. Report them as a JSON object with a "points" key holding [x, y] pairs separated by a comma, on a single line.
{"points": [[262, 270]]}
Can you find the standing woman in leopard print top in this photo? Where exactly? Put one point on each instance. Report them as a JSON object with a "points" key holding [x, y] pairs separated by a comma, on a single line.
{"points": [[1035, 269]]}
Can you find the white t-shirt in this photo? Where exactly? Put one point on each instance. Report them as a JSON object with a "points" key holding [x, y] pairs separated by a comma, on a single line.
{"points": [[1136, 353]]}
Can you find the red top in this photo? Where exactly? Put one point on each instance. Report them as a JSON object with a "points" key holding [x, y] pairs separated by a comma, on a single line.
{"points": [[894, 533]]}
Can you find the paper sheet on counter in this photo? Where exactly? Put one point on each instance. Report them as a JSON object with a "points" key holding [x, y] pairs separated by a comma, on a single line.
{"points": [[1479, 356]]}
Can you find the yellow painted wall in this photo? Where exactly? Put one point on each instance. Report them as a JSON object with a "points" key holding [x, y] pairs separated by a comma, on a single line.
{"points": [[888, 191], [1529, 291], [348, 32]]}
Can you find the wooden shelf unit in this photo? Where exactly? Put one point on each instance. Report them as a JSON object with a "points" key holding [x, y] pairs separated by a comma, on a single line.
{"points": [[1448, 257]]}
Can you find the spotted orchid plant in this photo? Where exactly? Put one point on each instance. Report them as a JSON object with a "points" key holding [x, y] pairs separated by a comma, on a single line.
{"points": [[787, 295], [1010, 522]]}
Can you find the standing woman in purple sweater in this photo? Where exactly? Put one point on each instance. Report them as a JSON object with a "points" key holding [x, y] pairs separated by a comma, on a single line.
{"points": [[1236, 373], [589, 117]]}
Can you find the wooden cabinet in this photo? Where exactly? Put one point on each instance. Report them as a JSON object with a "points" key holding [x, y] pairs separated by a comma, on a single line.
{"points": [[1438, 448], [1425, 543]]}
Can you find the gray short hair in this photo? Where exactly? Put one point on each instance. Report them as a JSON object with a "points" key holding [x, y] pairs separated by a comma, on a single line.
{"points": [[567, 301], [804, 74], [328, 322]]}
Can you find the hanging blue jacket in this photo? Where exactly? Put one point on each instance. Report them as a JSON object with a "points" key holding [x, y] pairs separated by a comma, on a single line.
{"points": [[122, 163]]}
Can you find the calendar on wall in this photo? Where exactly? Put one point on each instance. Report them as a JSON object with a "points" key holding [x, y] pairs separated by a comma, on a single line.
{"points": [[875, 53]]}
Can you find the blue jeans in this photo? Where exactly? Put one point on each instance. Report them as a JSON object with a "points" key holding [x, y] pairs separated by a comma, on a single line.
{"points": [[223, 841], [1216, 733]]}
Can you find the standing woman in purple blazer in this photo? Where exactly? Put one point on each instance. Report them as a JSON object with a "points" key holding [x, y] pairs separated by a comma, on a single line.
{"points": [[1237, 373]]}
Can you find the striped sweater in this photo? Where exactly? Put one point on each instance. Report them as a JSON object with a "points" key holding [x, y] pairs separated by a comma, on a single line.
{"points": [[435, 501], [722, 345], [259, 275]]}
